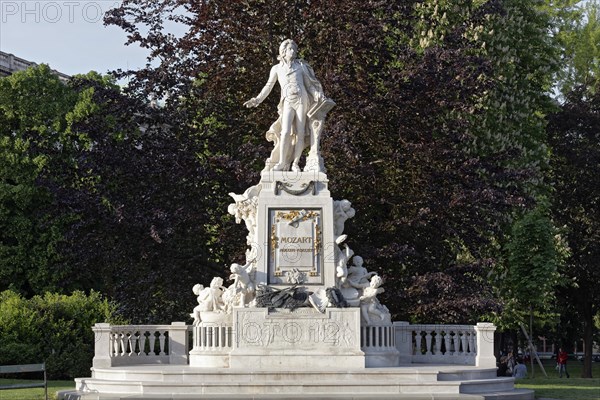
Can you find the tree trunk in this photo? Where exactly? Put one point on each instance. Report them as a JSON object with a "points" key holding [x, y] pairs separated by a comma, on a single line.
{"points": [[531, 340], [588, 326]]}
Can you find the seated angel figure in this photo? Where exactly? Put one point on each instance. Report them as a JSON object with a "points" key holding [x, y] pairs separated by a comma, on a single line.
{"points": [[242, 287], [369, 304], [210, 299], [358, 276], [356, 280]]}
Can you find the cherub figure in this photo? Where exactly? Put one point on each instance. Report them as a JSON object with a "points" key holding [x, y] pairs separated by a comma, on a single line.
{"points": [[209, 299], [341, 264], [369, 304], [358, 276], [242, 287], [356, 280], [244, 209], [342, 211]]}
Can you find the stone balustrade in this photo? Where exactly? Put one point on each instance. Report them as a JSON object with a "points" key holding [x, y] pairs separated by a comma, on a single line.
{"points": [[446, 344], [118, 345], [213, 336], [385, 345], [378, 342], [377, 337]]}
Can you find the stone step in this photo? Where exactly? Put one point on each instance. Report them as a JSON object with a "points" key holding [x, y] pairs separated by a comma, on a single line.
{"points": [[477, 386], [462, 374], [372, 386], [200, 375], [406, 382], [517, 394]]}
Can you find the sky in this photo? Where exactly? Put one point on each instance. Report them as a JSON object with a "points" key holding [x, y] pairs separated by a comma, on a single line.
{"points": [[68, 35]]}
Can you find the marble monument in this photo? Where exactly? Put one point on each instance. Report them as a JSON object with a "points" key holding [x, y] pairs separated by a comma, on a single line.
{"points": [[302, 295]]}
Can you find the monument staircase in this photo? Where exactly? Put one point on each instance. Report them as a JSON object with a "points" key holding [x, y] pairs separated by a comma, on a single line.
{"points": [[425, 369]]}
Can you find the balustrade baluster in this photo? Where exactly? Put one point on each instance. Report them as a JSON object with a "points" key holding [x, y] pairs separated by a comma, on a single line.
{"points": [[161, 340], [438, 341], [154, 340], [463, 339], [111, 344], [209, 337], [131, 343], [428, 342], [121, 344], [216, 336], [136, 344]]}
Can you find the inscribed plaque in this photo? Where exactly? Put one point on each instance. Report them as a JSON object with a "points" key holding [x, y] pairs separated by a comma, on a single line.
{"points": [[295, 248]]}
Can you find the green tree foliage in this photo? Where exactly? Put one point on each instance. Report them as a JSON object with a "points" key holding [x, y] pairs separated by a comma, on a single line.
{"points": [[573, 134], [533, 261], [509, 126], [575, 140], [143, 206], [33, 127], [98, 192], [52, 328], [580, 41], [513, 37], [400, 143]]}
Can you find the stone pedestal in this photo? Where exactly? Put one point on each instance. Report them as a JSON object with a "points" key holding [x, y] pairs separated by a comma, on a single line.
{"points": [[302, 339], [379, 344], [485, 345], [294, 230], [213, 340]]}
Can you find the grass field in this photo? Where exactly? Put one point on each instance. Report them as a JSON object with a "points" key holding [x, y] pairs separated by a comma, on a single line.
{"points": [[35, 393], [574, 388]]}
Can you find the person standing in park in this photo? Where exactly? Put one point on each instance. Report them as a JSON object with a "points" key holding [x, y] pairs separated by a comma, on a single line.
{"points": [[562, 362]]}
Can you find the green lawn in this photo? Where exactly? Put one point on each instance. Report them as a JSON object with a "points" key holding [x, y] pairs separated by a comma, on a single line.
{"points": [[35, 393], [574, 388]]}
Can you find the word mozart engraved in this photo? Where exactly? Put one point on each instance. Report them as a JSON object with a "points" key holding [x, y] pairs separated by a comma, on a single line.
{"points": [[295, 246]]}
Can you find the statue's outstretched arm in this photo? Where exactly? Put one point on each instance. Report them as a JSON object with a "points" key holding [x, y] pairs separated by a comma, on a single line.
{"points": [[255, 101]]}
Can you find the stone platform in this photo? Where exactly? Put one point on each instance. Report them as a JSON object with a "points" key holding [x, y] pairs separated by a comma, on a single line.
{"points": [[404, 382]]}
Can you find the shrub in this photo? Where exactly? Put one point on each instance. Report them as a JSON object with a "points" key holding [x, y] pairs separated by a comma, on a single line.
{"points": [[54, 328]]}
